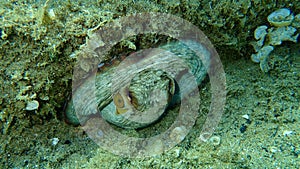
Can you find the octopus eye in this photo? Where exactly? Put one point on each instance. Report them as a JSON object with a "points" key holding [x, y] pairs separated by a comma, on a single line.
{"points": [[118, 100]]}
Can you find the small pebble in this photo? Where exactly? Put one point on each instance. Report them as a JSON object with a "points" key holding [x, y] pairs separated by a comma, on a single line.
{"points": [[246, 116], [287, 133], [55, 141], [32, 105], [273, 149]]}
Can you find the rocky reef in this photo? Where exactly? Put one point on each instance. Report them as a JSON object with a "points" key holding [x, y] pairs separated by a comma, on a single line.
{"points": [[39, 40]]}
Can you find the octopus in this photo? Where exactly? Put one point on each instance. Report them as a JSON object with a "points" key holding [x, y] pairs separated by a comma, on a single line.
{"points": [[115, 90], [137, 90]]}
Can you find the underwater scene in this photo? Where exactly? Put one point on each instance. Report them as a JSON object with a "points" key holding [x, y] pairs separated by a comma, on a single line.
{"points": [[149, 84]]}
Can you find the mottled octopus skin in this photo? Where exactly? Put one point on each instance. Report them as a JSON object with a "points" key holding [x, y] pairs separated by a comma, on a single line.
{"points": [[119, 97]]}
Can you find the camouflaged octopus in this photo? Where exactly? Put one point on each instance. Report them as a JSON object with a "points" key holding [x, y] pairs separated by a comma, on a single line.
{"points": [[137, 92]]}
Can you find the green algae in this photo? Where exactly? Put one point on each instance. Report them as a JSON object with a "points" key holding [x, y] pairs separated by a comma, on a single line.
{"points": [[35, 46]]}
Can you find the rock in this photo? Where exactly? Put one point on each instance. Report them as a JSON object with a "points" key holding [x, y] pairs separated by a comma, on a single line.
{"points": [[54, 141], [32, 105], [246, 116]]}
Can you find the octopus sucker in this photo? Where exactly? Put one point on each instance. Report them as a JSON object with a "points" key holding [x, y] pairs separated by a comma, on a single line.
{"points": [[136, 91]]}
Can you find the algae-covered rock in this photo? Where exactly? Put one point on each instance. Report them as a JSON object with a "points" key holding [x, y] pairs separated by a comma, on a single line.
{"points": [[32, 105], [267, 38]]}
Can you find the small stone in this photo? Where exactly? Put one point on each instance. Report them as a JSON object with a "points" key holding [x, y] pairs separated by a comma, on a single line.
{"points": [[177, 152], [246, 116], [32, 105], [54, 141], [51, 14], [273, 149], [287, 133]]}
